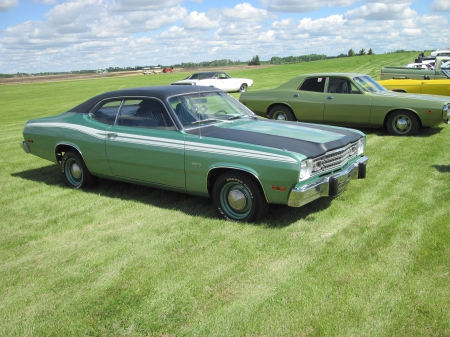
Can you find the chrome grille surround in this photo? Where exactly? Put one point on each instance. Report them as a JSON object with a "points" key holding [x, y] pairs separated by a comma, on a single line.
{"points": [[334, 159]]}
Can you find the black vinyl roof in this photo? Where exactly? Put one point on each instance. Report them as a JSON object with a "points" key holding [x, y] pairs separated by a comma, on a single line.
{"points": [[161, 92]]}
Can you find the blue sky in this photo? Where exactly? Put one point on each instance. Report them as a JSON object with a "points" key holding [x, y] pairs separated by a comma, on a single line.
{"points": [[56, 35]]}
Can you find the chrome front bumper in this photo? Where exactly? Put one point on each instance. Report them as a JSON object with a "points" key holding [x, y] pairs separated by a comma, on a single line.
{"points": [[328, 186]]}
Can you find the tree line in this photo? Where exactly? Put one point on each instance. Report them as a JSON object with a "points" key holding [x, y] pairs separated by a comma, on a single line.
{"points": [[255, 61]]}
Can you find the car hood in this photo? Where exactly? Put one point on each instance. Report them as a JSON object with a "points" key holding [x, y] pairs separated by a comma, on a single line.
{"points": [[214, 79], [410, 96], [310, 140], [411, 81]]}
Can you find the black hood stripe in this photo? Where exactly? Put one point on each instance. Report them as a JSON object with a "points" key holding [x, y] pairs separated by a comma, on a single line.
{"points": [[308, 148]]}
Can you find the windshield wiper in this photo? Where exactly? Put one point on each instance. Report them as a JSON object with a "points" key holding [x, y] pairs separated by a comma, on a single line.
{"points": [[242, 116], [208, 120]]}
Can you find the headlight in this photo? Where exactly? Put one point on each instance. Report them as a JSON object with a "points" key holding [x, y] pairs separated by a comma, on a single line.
{"points": [[361, 146], [446, 110], [306, 169]]}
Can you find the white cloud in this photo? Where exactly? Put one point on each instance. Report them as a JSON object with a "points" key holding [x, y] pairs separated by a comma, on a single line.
{"points": [[245, 12], [332, 25], [382, 11], [441, 6], [196, 20], [140, 5], [6, 5], [296, 6]]}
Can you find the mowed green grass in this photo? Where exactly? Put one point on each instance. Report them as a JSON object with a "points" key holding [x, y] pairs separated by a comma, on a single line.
{"points": [[124, 260]]}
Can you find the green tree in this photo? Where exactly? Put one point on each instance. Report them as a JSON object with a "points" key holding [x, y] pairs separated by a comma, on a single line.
{"points": [[362, 52], [370, 52], [254, 61], [351, 52]]}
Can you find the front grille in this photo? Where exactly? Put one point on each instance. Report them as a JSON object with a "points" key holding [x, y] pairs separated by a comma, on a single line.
{"points": [[334, 159]]}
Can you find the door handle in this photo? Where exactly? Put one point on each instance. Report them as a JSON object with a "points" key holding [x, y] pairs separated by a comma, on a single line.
{"points": [[330, 97], [295, 95], [111, 135]]}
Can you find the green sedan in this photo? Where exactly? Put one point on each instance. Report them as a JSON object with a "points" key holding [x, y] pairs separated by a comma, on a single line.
{"points": [[201, 141], [348, 99]]}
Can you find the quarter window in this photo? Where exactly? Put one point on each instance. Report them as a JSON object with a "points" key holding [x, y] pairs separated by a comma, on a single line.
{"points": [[107, 112]]}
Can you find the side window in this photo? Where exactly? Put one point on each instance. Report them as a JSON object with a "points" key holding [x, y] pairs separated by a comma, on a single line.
{"points": [[107, 112], [316, 84], [354, 89], [145, 113], [341, 85]]}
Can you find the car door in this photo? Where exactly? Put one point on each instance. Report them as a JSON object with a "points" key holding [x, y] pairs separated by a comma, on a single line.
{"points": [[345, 104], [144, 144], [226, 82], [308, 102]]}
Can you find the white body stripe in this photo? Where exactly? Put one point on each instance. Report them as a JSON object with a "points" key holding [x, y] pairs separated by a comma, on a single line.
{"points": [[174, 144]]}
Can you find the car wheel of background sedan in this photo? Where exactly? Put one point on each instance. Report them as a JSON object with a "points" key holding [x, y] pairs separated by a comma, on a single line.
{"points": [[75, 172], [403, 123], [281, 113], [238, 197], [243, 87]]}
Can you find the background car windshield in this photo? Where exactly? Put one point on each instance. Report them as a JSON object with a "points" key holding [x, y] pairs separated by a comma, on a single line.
{"points": [[200, 76], [208, 107], [367, 83]]}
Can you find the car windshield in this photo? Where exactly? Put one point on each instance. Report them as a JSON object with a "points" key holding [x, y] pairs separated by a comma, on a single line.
{"points": [[445, 65], [368, 84], [200, 76], [197, 109]]}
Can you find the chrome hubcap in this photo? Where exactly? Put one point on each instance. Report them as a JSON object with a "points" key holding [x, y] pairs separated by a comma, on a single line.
{"points": [[75, 170], [402, 124], [237, 199], [281, 117]]}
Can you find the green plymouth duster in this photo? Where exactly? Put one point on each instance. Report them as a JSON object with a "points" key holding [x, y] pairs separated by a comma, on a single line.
{"points": [[201, 141], [348, 99]]}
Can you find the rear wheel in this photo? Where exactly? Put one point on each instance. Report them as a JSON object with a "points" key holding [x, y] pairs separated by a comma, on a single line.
{"points": [[281, 113], [75, 172], [237, 196], [402, 123]]}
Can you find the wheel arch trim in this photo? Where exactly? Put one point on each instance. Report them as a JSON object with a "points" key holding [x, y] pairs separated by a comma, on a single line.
{"points": [[217, 170], [64, 147], [272, 105], [399, 110]]}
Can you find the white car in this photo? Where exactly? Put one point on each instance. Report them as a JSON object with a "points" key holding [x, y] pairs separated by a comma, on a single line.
{"points": [[419, 65], [217, 79], [438, 52]]}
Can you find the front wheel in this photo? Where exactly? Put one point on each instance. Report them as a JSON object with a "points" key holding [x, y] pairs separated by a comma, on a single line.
{"points": [[238, 197], [243, 87], [75, 172], [402, 123], [281, 113]]}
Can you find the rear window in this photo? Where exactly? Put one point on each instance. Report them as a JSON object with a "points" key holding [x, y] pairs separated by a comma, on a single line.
{"points": [[316, 84]]}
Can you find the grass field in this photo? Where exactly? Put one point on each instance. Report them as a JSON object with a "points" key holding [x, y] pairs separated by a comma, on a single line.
{"points": [[124, 260]]}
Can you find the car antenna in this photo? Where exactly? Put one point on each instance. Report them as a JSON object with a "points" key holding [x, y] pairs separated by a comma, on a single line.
{"points": [[198, 80]]}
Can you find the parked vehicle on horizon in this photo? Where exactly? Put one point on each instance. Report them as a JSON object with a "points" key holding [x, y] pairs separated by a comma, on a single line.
{"points": [[402, 72], [441, 52], [200, 141], [217, 79], [348, 99], [419, 65]]}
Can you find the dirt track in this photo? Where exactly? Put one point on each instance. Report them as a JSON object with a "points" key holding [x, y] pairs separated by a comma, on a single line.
{"points": [[65, 77], [72, 77]]}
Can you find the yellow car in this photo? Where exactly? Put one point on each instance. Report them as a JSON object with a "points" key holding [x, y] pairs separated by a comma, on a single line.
{"points": [[429, 87]]}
